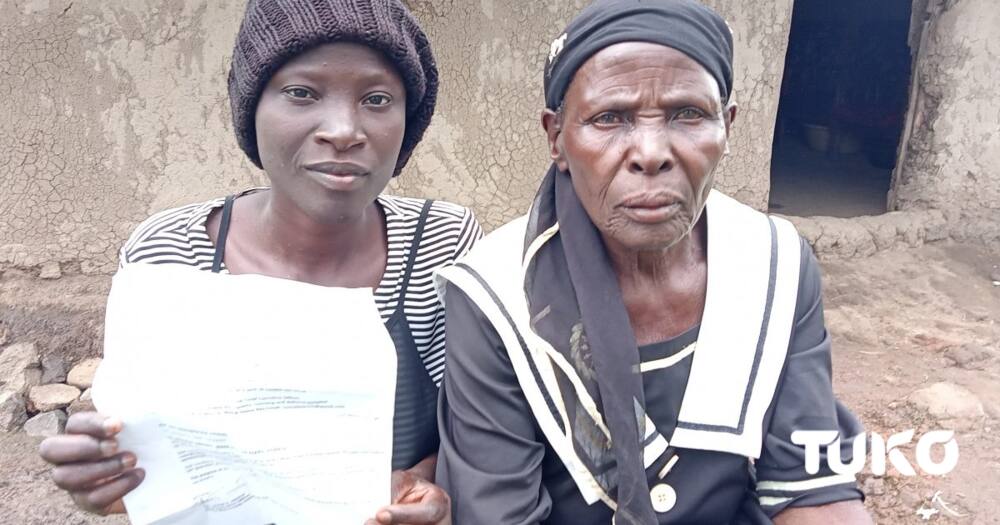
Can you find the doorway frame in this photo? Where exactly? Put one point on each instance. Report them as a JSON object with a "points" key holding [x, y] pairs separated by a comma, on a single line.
{"points": [[924, 15]]}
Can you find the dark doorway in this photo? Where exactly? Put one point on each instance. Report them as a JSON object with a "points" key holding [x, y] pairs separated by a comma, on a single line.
{"points": [[843, 105]]}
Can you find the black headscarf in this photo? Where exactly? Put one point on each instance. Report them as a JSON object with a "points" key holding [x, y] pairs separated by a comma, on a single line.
{"points": [[684, 25], [573, 295]]}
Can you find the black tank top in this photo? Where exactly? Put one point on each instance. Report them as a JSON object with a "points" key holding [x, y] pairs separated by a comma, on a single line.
{"points": [[415, 432]]}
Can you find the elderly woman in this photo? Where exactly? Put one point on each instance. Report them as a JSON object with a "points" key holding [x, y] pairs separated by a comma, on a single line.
{"points": [[640, 347], [329, 99]]}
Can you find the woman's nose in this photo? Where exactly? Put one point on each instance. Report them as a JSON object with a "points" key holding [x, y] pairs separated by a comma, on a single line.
{"points": [[651, 151], [340, 128]]}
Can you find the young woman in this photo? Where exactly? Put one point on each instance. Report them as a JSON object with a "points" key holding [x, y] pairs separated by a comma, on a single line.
{"points": [[330, 102]]}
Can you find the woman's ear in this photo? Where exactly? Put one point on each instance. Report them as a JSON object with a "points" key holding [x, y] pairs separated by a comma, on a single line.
{"points": [[552, 123], [731, 110], [729, 116]]}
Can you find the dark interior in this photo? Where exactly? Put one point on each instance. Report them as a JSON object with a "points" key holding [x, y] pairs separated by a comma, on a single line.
{"points": [[843, 105]]}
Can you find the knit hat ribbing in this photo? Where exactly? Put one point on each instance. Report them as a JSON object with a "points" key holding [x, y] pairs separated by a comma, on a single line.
{"points": [[275, 31]]}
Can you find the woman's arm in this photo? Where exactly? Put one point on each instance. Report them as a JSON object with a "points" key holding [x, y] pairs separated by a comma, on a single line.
{"points": [[425, 469], [841, 513], [805, 401], [490, 460]]}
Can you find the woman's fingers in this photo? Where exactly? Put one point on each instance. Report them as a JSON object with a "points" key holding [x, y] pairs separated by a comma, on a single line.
{"points": [[89, 465], [106, 498], [426, 504], [93, 424], [81, 476], [427, 512], [75, 448]]}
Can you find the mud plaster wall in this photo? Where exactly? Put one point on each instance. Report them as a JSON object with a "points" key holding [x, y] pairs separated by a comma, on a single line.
{"points": [[953, 153], [113, 110]]}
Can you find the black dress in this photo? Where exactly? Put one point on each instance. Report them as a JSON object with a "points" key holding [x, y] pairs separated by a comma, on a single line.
{"points": [[499, 469]]}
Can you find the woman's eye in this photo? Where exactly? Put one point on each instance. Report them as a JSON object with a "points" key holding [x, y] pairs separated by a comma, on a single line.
{"points": [[298, 93], [378, 99], [689, 114], [608, 119]]}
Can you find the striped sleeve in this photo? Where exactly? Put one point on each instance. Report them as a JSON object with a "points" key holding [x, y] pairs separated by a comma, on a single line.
{"points": [[174, 236], [805, 401], [451, 231]]}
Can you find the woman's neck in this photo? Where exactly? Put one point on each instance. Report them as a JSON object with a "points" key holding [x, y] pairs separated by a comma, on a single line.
{"points": [[644, 268], [647, 278], [327, 248]]}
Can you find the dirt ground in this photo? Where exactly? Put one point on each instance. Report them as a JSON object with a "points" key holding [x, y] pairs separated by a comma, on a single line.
{"points": [[894, 318]]}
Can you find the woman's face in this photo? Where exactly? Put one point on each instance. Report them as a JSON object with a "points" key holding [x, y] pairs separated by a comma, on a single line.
{"points": [[641, 131], [330, 125]]}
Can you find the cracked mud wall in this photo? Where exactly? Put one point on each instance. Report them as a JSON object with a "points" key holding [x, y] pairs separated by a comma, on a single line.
{"points": [[113, 110], [951, 159], [486, 148]]}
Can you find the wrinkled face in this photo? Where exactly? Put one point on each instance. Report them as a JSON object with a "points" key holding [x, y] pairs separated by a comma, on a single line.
{"points": [[330, 125], [641, 132]]}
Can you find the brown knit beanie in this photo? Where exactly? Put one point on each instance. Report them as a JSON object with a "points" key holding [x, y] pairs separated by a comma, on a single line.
{"points": [[275, 31]]}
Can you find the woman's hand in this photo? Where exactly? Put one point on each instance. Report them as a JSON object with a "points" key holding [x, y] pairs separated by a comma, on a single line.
{"points": [[415, 501], [89, 465]]}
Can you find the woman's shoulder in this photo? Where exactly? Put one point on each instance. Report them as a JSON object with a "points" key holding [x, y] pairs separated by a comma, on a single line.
{"points": [[440, 211], [170, 233], [447, 222], [442, 215]]}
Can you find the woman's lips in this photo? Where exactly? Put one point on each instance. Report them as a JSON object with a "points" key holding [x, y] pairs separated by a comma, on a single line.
{"points": [[651, 209], [340, 176], [647, 214]]}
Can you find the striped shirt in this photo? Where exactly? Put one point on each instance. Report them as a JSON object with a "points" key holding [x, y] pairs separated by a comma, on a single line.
{"points": [[179, 236]]}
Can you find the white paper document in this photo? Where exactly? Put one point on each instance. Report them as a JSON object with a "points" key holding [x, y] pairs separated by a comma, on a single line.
{"points": [[247, 399]]}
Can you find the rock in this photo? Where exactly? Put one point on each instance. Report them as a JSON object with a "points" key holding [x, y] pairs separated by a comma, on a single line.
{"points": [[20, 368], [50, 397], [15, 274], [84, 404], [809, 229], [12, 413], [968, 356], [46, 424], [874, 486], [82, 375], [50, 270], [4, 335], [53, 369], [910, 499], [936, 226], [947, 401], [995, 276]]}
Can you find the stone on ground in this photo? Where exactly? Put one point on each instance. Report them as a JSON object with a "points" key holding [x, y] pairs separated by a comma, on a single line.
{"points": [[968, 356], [82, 375], [53, 369], [46, 398], [947, 401], [12, 412], [50, 270], [20, 368], [84, 404], [46, 424]]}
